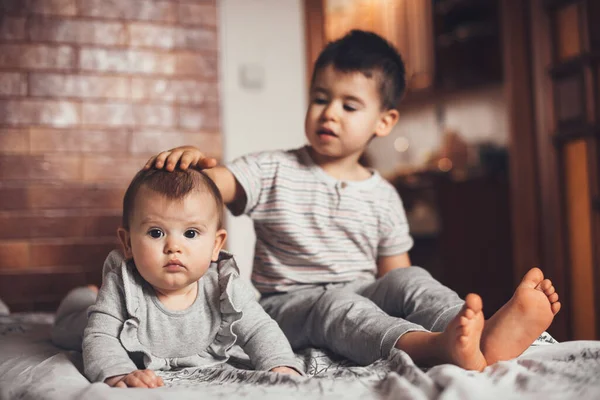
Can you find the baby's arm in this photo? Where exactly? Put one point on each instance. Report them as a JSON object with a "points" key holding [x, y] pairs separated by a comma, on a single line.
{"points": [[260, 336], [190, 157], [103, 355]]}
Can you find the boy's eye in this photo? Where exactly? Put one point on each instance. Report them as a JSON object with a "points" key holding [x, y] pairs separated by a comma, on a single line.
{"points": [[320, 101], [190, 234], [155, 233], [349, 107]]}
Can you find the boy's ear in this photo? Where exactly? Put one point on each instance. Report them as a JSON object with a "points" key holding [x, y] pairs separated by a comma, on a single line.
{"points": [[125, 240], [386, 123], [220, 238]]}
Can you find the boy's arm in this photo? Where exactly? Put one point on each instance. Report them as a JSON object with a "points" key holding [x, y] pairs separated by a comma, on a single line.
{"points": [[232, 192], [190, 157], [387, 263]]}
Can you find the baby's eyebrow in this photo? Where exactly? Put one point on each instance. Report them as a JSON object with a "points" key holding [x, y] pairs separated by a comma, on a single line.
{"points": [[148, 220], [197, 224]]}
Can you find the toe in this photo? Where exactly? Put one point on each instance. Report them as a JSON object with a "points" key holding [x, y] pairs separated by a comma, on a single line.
{"points": [[473, 302], [544, 285], [533, 278], [555, 307], [547, 283], [553, 298], [549, 291]]}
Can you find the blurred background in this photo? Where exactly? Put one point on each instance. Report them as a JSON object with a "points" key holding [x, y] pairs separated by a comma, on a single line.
{"points": [[495, 155]]}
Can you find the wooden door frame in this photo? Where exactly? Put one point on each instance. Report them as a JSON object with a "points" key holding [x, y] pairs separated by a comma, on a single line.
{"points": [[537, 217], [554, 232], [524, 190], [314, 25]]}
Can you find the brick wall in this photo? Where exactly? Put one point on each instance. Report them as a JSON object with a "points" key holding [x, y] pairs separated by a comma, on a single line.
{"points": [[89, 90]]}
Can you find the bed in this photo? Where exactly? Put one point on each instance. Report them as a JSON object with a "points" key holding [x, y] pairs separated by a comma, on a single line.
{"points": [[32, 368]]}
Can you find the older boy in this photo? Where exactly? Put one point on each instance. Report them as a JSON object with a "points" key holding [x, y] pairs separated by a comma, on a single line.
{"points": [[331, 257]]}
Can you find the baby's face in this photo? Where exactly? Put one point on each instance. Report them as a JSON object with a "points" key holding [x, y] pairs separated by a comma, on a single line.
{"points": [[173, 241]]}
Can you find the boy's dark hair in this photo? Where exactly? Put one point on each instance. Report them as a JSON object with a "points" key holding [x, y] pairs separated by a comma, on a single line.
{"points": [[174, 185], [372, 55]]}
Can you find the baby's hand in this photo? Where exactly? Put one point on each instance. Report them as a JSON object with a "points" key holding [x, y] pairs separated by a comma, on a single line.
{"points": [[285, 370], [186, 156], [140, 378]]}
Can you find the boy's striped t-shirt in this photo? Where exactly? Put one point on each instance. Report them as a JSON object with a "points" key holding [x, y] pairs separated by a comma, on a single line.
{"points": [[313, 229]]}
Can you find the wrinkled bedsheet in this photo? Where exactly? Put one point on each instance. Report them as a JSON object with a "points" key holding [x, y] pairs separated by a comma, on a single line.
{"points": [[32, 368]]}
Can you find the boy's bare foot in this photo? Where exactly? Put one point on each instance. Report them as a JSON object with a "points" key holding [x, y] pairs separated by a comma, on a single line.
{"points": [[514, 327], [463, 334], [459, 344]]}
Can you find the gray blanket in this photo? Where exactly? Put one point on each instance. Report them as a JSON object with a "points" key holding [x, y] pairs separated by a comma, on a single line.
{"points": [[32, 368]]}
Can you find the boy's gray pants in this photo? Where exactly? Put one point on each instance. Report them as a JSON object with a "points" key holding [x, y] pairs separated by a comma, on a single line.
{"points": [[360, 321], [363, 321]]}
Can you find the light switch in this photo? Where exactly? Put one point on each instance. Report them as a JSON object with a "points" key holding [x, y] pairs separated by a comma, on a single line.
{"points": [[252, 76]]}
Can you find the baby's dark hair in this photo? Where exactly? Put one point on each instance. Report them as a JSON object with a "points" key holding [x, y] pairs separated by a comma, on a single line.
{"points": [[174, 185], [372, 55]]}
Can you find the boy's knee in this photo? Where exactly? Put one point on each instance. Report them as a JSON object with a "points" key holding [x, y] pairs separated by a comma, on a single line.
{"points": [[329, 308], [337, 305]]}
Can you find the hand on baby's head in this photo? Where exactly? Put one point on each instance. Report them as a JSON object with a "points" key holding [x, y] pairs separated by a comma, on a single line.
{"points": [[183, 157]]}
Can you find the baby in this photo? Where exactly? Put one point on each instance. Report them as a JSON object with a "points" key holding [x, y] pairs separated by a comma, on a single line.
{"points": [[176, 300]]}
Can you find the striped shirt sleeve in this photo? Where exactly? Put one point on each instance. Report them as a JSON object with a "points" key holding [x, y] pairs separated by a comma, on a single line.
{"points": [[394, 236], [248, 171]]}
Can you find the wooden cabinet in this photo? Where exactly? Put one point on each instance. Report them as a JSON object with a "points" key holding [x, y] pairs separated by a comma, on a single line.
{"points": [[447, 45], [471, 251], [467, 43], [405, 23]]}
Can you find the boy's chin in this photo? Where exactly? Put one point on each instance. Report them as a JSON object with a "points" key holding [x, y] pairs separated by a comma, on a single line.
{"points": [[329, 154], [322, 150]]}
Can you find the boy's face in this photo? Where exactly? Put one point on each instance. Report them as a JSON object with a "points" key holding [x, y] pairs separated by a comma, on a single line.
{"points": [[345, 113], [173, 241]]}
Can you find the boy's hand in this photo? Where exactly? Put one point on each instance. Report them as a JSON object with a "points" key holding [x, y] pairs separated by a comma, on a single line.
{"points": [[285, 370], [140, 378], [186, 156]]}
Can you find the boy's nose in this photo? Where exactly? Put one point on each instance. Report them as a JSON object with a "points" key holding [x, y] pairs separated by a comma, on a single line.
{"points": [[329, 113]]}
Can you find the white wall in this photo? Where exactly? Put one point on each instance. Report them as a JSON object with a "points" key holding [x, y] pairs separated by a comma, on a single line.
{"points": [[264, 38]]}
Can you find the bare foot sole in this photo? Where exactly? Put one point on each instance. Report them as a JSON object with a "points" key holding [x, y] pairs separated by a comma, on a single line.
{"points": [[530, 311], [463, 335]]}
